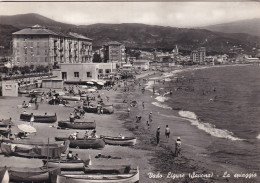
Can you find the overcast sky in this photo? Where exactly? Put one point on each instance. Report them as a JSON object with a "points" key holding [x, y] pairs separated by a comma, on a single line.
{"points": [[176, 14]]}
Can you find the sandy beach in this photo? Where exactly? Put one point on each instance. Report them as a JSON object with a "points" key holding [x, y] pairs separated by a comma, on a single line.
{"points": [[156, 163]]}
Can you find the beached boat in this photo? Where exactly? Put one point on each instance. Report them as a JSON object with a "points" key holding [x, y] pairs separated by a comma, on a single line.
{"points": [[107, 109], [23, 91], [5, 122], [72, 98], [4, 131], [122, 141], [39, 118], [132, 177], [38, 174], [107, 169], [90, 109], [77, 124], [4, 175], [34, 151], [91, 143], [67, 165]]}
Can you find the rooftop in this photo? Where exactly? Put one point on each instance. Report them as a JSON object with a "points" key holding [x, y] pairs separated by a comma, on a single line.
{"points": [[113, 43], [40, 30]]}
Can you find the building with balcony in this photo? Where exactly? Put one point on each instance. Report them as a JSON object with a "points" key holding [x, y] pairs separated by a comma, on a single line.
{"points": [[38, 45], [114, 52], [198, 56]]}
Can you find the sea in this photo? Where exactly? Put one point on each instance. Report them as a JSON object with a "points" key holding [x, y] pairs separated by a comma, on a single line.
{"points": [[223, 102]]}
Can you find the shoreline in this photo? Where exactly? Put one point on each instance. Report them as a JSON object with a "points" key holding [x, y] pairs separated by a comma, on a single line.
{"points": [[203, 164]]}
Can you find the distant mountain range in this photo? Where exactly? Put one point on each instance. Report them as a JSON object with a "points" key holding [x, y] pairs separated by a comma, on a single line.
{"points": [[251, 26], [143, 36]]}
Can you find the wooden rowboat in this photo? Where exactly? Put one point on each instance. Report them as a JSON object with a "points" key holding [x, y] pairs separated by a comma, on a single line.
{"points": [[107, 169], [90, 109], [71, 98], [99, 178], [91, 143], [122, 141], [67, 165], [107, 109], [40, 174], [40, 118], [77, 124]]}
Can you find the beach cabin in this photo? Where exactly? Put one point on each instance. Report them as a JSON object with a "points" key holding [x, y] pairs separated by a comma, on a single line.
{"points": [[83, 72], [141, 65], [9, 88]]}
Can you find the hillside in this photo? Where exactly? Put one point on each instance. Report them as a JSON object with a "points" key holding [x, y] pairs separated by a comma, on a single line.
{"points": [[251, 26], [26, 20], [135, 35]]}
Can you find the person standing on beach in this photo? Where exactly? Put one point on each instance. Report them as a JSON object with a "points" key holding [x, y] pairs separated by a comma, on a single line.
{"points": [[158, 135], [150, 117], [143, 104], [178, 147], [167, 132]]}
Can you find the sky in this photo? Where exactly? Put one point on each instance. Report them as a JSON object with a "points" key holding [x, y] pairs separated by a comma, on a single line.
{"points": [[175, 14]]}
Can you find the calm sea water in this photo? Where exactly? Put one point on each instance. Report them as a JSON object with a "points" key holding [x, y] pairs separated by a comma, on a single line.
{"points": [[223, 102]]}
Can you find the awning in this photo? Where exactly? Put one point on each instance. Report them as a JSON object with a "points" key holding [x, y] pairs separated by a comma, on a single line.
{"points": [[27, 128]]}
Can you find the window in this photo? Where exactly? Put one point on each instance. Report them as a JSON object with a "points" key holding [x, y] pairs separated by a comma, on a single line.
{"points": [[100, 71], [107, 71], [89, 74], [38, 51], [46, 52], [45, 44], [46, 59], [18, 59], [76, 74]]}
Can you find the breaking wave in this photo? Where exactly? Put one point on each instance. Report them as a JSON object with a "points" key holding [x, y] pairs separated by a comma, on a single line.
{"points": [[161, 105], [161, 98], [207, 127]]}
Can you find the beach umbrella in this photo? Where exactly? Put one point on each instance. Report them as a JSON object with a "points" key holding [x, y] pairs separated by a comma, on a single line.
{"points": [[100, 83], [27, 128], [90, 82], [60, 93], [91, 90]]}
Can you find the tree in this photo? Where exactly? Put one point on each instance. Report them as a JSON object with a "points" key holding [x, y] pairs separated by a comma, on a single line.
{"points": [[97, 58]]}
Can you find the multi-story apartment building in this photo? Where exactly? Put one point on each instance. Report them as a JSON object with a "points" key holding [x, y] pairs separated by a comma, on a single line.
{"points": [[198, 56], [114, 52], [37, 45]]}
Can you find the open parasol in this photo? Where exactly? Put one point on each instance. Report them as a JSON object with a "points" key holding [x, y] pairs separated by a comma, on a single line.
{"points": [[27, 128], [90, 82], [100, 83], [91, 90]]}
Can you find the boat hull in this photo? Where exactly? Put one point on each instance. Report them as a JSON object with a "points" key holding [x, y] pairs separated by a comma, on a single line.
{"points": [[39, 118], [77, 125], [33, 174], [71, 98], [67, 165], [91, 143], [127, 141], [107, 169], [99, 178]]}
